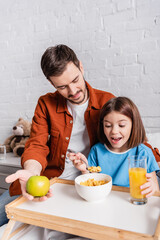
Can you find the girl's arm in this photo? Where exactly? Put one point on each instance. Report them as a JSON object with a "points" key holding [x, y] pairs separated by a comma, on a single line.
{"points": [[151, 186]]}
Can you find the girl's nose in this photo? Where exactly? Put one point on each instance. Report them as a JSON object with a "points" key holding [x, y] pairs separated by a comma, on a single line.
{"points": [[114, 129]]}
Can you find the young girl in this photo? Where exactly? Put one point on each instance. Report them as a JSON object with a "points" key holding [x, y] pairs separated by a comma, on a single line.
{"points": [[121, 134]]}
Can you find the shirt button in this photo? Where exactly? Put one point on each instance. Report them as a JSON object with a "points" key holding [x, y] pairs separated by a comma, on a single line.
{"points": [[71, 121], [62, 156], [67, 138]]}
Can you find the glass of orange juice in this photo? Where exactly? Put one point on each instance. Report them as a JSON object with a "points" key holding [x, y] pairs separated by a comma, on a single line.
{"points": [[137, 177]]}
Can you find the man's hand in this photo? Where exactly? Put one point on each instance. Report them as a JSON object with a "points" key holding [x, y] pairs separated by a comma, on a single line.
{"points": [[23, 176]]}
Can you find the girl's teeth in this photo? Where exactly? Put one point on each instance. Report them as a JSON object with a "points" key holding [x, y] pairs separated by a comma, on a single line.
{"points": [[116, 139]]}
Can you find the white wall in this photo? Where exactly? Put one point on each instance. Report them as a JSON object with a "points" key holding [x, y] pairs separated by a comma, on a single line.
{"points": [[118, 42]]}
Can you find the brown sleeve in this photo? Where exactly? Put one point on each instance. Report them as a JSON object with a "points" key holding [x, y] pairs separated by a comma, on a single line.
{"points": [[155, 151], [15, 188]]}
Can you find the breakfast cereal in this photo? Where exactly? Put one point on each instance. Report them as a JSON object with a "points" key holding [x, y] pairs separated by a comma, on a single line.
{"points": [[92, 182], [94, 169]]}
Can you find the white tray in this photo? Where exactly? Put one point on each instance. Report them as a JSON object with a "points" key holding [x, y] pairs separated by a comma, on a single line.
{"points": [[111, 218]]}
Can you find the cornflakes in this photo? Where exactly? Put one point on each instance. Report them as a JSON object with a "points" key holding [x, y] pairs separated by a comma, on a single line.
{"points": [[92, 182], [94, 169]]}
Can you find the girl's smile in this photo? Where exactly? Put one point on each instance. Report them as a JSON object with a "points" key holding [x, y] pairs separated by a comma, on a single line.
{"points": [[115, 140], [117, 128]]}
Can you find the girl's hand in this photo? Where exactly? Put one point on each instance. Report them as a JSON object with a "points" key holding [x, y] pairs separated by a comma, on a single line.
{"points": [[76, 160], [151, 186]]}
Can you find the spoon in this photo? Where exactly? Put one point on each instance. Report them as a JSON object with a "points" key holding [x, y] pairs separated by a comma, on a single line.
{"points": [[90, 169]]}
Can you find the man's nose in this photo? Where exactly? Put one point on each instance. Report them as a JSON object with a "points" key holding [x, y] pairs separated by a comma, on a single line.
{"points": [[72, 89]]}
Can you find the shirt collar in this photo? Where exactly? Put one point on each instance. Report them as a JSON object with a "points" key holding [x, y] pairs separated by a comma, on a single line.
{"points": [[93, 101]]}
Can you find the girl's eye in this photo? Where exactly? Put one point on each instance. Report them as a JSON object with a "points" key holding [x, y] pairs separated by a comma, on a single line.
{"points": [[121, 126], [107, 126]]}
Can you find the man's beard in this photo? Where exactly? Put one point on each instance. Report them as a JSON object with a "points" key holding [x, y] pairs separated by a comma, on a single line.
{"points": [[79, 102], [85, 93]]}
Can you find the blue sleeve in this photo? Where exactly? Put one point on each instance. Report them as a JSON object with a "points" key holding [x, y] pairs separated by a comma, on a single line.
{"points": [[92, 157], [152, 165]]}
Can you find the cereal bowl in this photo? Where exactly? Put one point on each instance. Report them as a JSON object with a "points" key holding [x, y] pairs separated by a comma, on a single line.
{"points": [[93, 193]]}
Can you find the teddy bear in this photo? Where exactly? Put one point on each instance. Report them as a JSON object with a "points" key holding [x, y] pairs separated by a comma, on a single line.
{"points": [[21, 133]]}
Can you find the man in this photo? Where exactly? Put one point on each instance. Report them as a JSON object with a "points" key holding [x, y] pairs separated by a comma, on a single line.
{"points": [[65, 119]]}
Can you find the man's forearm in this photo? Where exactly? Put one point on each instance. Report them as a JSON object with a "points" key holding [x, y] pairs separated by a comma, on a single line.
{"points": [[33, 166]]}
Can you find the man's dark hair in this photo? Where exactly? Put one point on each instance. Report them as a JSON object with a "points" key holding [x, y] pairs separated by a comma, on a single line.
{"points": [[55, 59]]}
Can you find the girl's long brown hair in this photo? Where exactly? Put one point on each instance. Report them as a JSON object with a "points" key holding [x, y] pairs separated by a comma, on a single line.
{"points": [[125, 106]]}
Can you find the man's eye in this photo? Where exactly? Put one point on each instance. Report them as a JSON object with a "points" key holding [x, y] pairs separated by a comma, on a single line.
{"points": [[62, 88], [75, 80]]}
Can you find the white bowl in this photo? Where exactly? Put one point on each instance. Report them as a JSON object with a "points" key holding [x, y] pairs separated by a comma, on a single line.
{"points": [[93, 193]]}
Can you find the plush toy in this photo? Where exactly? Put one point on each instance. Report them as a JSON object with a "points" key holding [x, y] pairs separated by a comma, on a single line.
{"points": [[16, 142]]}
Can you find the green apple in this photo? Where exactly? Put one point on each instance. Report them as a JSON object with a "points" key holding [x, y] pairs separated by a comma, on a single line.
{"points": [[38, 186]]}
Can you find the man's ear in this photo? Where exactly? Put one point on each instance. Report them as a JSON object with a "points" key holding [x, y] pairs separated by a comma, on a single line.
{"points": [[81, 67]]}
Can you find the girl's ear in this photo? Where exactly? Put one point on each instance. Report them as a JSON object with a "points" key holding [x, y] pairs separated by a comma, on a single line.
{"points": [[81, 67]]}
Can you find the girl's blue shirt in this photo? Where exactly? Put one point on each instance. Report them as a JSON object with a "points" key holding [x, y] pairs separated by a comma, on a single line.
{"points": [[116, 164]]}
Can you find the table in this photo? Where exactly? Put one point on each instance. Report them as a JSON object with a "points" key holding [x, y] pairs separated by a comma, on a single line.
{"points": [[114, 218], [8, 166]]}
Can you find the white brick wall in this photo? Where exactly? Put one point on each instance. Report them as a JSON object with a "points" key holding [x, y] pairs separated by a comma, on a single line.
{"points": [[118, 42]]}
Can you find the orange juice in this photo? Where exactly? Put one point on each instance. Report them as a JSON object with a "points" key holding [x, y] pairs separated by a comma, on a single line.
{"points": [[137, 177]]}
